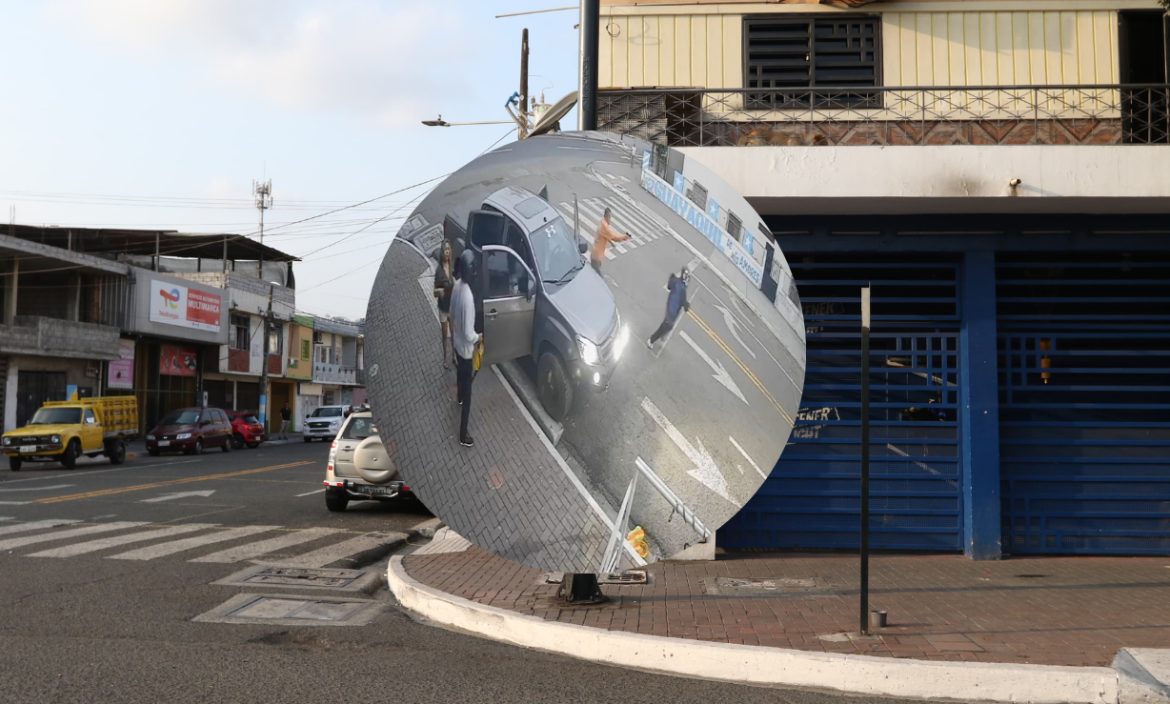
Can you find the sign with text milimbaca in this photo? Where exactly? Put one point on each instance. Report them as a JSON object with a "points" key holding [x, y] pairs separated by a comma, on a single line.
{"points": [[183, 306]]}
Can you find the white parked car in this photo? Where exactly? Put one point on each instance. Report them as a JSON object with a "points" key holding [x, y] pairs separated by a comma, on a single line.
{"points": [[359, 467], [324, 422]]}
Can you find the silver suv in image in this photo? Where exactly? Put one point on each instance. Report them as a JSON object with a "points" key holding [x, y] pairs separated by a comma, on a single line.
{"points": [[323, 423], [359, 468]]}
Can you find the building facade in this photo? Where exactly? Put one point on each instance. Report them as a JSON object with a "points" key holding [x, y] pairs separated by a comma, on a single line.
{"points": [[996, 172]]}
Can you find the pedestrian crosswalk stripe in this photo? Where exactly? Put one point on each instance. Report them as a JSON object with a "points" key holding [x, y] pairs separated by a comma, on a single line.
{"points": [[262, 547], [73, 533], [35, 525], [154, 551], [333, 553], [115, 541]]}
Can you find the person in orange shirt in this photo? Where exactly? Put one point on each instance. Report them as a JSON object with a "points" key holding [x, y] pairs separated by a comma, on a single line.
{"points": [[605, 235]]}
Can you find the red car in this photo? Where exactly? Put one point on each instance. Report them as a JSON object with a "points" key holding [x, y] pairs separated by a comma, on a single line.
{"points": [[246, 429]]}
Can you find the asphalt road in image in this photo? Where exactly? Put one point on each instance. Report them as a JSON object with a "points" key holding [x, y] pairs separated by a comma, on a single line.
{"points": [[112, 622], [710, 408]]}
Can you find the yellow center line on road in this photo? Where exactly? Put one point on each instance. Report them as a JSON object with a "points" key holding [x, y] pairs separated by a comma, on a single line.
{"points": [[755, 380], [156, 485]]}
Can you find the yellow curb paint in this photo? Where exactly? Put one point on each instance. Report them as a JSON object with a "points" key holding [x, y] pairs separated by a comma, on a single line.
{"points": [[156, 485]]}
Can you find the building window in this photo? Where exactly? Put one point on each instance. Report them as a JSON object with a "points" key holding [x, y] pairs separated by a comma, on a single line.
{"points": [[698, 195], [239, 332], [782, 51], [306, 349], [735, 227], [275, 339]]}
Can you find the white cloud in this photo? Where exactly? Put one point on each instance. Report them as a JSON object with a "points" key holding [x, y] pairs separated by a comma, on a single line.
{"points": [[383, 64]]}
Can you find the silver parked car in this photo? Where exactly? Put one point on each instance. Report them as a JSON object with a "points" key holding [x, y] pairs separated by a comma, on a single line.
{"points": [[359, 467], [324, 422]]}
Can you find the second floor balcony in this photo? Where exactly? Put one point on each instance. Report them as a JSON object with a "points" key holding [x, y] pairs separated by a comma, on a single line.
{"points": [[891, 116]]}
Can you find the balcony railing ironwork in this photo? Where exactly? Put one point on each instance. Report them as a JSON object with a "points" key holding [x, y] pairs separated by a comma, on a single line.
{"points": [[1007, 115], [334, 374]]}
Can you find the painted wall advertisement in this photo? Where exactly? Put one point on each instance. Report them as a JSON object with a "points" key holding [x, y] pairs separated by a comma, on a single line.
{"points": [[121, 373], [184, 306], [176, 360]]}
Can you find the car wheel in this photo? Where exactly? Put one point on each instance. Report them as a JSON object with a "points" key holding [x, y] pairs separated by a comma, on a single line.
{"points": [[116, 451], [227, 446], [336, 501], [69, 457], [554, 386], [14, 463], [198, 449], [153, 453], [238, 442], [253, 445]]}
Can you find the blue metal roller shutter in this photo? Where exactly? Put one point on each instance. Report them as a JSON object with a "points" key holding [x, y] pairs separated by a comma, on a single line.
{"points": [[1084, 362], [811, 499]]}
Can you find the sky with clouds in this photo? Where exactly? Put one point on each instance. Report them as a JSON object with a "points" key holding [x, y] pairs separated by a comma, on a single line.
{"points": [[139, 113]]}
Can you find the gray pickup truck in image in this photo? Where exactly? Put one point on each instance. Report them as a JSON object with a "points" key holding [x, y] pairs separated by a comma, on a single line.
{"points": [[536, 296]]}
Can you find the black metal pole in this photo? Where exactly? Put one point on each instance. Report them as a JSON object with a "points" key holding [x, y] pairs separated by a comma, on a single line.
{"points": [[524, 83], [865, 461], [587, 100]]}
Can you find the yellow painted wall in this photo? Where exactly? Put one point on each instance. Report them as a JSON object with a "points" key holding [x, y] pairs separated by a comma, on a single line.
{"points": [[999, 48], [919, 49]]}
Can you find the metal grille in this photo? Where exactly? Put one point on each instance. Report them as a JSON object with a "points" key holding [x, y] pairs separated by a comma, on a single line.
{"points": [[812, 497], [1074, 114], [800, 52], [1084, 371]]}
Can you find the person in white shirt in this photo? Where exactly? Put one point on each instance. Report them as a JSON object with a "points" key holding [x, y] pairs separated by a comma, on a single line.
{"points": [[465, 338]]}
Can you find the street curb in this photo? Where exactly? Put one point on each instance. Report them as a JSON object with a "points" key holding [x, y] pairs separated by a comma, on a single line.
{"points": [[1144, 675], [744, 664], [514, 376]]}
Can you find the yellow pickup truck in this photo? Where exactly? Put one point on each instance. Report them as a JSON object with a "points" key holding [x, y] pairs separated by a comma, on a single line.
{"points": [[62, 431]]}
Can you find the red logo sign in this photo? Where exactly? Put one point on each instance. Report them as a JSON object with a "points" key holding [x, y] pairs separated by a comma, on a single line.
{"points": [[177, 361], [203, 307]]}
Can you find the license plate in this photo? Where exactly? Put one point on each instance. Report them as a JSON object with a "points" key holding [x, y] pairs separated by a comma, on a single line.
{"points": [[28, 448], [164, 443], [371, 490]]}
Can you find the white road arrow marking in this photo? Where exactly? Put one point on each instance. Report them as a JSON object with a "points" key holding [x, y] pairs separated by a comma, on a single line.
{"points": [[720, 374], [705, 471], [178, 495], [747, 457], [732, 323]]}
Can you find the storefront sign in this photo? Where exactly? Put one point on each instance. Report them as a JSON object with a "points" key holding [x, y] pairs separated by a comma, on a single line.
{"points": [[178, 361], [121, 374], [184, 306], [702, 222]]}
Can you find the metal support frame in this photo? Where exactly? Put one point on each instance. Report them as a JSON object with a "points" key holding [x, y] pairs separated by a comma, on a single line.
{"points": [[865, 459], [590, 27], [979, 401]]}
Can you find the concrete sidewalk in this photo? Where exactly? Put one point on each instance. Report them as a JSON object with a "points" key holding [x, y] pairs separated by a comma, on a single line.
{"points": [[1071, 614]]}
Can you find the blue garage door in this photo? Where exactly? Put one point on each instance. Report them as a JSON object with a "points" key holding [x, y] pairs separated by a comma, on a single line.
{"points": [[812, 497], [1084, 362]]}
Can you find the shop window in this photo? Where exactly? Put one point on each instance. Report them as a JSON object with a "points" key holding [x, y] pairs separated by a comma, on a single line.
{"points": [[735, 227], [792, 52], [698, 195]]}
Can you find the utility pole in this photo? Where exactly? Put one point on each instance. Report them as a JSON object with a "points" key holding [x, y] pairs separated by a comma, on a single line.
{"points": [[264, 366], [262, 194], [523, 131], [587, 100]]}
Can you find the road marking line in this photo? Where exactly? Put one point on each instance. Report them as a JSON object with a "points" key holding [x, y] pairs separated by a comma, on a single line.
{"points": [[338, 551], [75, 474], [62, 535], [175, 546], [244, 552], [40, 488], [747, 457], [104, 543], [172, 482], [36, 525], [731, 353], [13, 503], [310, 493]]}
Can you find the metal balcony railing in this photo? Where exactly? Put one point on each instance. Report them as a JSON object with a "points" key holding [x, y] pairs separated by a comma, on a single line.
{"points": [[1008, 115], [334, 374]]}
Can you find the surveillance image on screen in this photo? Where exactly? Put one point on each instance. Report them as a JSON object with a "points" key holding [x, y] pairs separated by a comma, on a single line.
{"points": [[585, 352]]}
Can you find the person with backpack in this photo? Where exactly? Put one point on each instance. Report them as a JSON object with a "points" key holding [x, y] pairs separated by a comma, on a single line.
{"points": [[676, 303]]}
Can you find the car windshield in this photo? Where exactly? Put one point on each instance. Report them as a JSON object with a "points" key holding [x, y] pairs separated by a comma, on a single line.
{"points": [[180, 418], [326, 413], [555, 250], [359, 429], [250, 419], [53, 416]]}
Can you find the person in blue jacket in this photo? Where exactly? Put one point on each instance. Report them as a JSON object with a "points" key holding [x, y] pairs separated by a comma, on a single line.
{"points": [[676, 303]]}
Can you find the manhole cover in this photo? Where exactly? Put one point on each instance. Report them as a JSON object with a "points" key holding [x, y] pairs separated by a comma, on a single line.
{"points": [[288, 610], [769, 584], [776, 586], [304, 577]]}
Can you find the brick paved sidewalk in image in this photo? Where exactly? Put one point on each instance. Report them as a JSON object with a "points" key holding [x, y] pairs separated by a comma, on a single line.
{"points": [[1076, 611]]}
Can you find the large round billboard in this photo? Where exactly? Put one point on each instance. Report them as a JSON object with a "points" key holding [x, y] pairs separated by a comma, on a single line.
{"points": [[585, 352]]}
